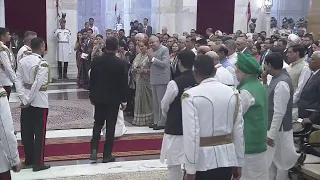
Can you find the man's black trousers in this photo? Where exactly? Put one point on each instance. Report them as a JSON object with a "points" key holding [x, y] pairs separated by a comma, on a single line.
{"points": [[33, 134], [104, 113]]}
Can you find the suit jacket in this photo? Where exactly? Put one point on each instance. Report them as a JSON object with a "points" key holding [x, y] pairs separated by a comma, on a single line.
{"points": [[148, 30], [247, 51], [15, 48], [310, 99], [108, 80], [88, 47], [160, 73]]}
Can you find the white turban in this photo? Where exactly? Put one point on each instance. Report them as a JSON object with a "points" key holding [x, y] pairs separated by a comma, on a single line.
{"points": [[294, 38]]}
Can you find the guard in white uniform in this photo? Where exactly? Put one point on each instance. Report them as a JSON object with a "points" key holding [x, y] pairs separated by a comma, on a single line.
{"points": [[63, 38], [212, 127], [7, 62], [33, 74], [172, 144], [26, 49], [9, 155]]}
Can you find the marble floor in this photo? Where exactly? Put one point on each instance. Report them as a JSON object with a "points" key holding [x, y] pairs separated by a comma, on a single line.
{"points": [[125, 168]]}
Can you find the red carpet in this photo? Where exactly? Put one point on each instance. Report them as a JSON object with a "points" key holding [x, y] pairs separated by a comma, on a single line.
{"points": [[79, 148]]}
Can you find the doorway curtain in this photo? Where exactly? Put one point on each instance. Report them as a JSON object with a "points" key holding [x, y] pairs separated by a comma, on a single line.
{"points": [[27, 16], [215, 14]]}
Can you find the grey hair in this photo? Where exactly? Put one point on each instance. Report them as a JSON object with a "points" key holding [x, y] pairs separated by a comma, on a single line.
{"points": [[231, 44], [316, 53], [182, 38], [140, 35]]}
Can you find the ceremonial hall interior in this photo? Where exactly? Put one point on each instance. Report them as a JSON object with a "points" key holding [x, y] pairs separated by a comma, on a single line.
{"points": [[71, 117]]}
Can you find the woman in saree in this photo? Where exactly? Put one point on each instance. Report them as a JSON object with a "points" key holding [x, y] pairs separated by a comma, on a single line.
{"points": [[79, 49], [143, 115]]}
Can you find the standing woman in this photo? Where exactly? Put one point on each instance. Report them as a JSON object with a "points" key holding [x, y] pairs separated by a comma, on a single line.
{"points": [[174, 52], [256, 51], [80, 44], [123, 52], [77, 48], [143, 115]]}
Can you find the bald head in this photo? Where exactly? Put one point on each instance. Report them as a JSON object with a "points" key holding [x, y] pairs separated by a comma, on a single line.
{"points": [[202, 50], [214, 56], [164, 30]]}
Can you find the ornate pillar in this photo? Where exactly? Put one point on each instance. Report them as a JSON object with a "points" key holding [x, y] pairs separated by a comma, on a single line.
{"points": [[2, 14], [313, 19], [167, 13], [268, 18], [69, 7]]}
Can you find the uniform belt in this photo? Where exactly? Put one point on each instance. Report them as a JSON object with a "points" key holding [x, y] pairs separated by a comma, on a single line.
{"points": [[63, 42], [28, 86], [215, 140], [3, 94]]}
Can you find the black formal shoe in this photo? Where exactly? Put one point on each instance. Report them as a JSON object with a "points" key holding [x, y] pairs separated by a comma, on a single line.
{"points": [[156, 127], [59, 77], [41, 168], [65, 77], [108, 159], [27, 165], [151, 126], [93, 156]]}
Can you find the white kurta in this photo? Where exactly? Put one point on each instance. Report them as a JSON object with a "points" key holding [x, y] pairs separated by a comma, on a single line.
{"points": [[224, 76], [283, 155], [63, 38], [233, 58], [172, 145], [255, 165], [120, 126], [208, 110]]}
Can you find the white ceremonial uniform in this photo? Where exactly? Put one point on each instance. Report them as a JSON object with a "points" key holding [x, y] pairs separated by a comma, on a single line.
{"points": [[283, 155], [255, 165], [23, 52], [172, 152], [224, 76], [63, 38], [7, 66], [33, 70], [208, 110], [9, 155]]}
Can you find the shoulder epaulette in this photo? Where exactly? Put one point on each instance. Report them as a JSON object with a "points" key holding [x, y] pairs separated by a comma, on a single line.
{"points": [[184, 95], [44, 65]]}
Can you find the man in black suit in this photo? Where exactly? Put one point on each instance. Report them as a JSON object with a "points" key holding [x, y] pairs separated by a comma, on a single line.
{"points": [[146, 28], [307, 41], [309, 103], [108, 85], [16, 43], [87, 47]]}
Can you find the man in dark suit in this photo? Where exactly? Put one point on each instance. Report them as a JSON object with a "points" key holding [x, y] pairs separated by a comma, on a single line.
{"points": [[16, 43], [309, 103], [108, 85], [86, 56], [146, 28], [307, 41], [241, 43]]}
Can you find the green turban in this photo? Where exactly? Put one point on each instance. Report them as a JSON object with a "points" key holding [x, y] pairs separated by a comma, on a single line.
{"points": [[248, 64]]}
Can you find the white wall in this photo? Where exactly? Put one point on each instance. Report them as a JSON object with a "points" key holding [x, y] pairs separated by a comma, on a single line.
{"points": [[2, 14], [240, 15], [69, 7]]}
